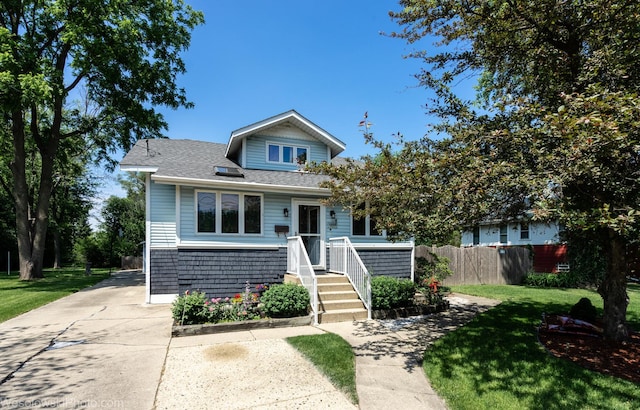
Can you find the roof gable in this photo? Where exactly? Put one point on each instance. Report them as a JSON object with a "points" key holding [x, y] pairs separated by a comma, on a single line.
{"points": [[290, 117]]}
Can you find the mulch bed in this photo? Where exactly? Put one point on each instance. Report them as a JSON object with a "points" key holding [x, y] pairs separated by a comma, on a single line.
{"points": [[591, 351]]}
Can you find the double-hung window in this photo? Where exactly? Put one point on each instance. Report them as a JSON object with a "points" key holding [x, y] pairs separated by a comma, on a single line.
{"points": [[503, 234], [364, 225], [287, 154], [229, 213], [524, 231]]}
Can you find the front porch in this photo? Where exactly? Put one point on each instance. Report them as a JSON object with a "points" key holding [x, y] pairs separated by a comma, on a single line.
{"points": [[343, 291]]}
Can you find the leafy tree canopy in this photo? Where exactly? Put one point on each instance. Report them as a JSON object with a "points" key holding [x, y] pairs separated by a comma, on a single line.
{"points": [[119, 58], [552, 132]]}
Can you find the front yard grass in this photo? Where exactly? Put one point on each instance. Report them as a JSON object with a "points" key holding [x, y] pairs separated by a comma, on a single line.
{"points": [[333, 356], [19, 297], [495, 361]]}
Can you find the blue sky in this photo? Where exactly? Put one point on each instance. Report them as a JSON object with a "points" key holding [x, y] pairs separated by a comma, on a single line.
{"points": [[326, 59]]}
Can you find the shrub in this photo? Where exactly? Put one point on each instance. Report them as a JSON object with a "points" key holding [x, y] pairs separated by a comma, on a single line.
{"points": [[189, 309], [551, 280], [390, 293], [285, 300]]}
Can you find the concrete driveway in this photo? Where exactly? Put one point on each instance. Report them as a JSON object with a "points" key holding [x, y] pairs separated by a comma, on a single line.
{"points": [[98, 348]]}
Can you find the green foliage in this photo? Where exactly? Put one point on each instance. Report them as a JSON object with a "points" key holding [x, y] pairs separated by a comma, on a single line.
{"points": [[434, 267], [390, 293], [195, 308], [124, 56], [550, 280], [495, 360], [189, 308], [285, 300], [333, 356]]}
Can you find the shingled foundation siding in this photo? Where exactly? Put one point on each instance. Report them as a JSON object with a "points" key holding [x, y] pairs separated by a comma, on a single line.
{"points": [[395, 263]]}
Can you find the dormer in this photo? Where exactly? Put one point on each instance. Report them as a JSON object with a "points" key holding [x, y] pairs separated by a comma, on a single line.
{"points": [[283, 143]]}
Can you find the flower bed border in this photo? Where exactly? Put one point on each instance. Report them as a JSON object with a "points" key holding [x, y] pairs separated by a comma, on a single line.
{"points": [[210, 328], [415, 310]]}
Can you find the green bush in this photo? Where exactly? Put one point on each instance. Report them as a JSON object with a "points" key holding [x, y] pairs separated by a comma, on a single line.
{"points": [[551, 280], [390, 293], [189, 309], [285, 300]]}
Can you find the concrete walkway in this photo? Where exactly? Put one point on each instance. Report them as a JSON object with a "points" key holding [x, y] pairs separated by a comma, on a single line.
{"points": [[103, 348]]}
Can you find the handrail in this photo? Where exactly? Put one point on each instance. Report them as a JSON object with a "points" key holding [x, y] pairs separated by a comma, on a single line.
{"points": [[343, 258], [298, 264]]}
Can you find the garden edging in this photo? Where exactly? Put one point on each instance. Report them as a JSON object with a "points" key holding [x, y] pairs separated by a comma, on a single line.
{"points": [[224, 327]]}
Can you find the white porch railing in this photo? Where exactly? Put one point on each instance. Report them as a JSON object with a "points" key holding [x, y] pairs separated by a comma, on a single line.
{"points": [[298, 263], [344, 259]]}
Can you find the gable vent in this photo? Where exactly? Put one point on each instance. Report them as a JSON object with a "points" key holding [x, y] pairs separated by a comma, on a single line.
{"points": [[228, 172]]}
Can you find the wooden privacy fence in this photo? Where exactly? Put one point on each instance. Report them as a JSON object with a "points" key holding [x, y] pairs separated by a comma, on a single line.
{"points": [[131, 262], [480, 265]]}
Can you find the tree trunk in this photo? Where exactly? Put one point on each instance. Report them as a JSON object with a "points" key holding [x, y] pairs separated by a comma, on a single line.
{"points": [[614, 289], [57, 252]]}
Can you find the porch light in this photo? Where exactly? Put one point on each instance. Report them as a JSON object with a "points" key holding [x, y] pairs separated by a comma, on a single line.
{"points": [[286, 212], [332, 214]]}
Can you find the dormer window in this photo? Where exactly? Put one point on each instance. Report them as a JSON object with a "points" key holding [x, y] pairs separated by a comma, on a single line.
{"points": [[286, 154]]}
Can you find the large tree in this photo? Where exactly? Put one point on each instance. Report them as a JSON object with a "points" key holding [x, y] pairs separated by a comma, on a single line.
{"points": [[554, 130], [551, 131], [121, 57]]}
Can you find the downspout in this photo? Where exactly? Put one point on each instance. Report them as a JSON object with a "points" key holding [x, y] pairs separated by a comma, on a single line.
{"points": [[147, 236]]}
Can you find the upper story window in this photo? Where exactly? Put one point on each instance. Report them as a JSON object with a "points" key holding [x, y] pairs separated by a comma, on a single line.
{"points": [[287, 154], [228, 213], [503, 234], [524, 231], [364, 226]]}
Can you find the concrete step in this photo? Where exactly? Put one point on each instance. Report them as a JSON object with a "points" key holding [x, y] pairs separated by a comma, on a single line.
{"points": [[342, 315], [333, 305], [339, 295], [332, 278], [335, 287]]}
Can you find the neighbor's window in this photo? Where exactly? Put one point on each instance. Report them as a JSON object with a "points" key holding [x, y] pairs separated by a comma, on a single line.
{"points": [[503, 233], [206, 211], [476, 235], [364, 226], [524, 231], [286, 154], [229, 213]]}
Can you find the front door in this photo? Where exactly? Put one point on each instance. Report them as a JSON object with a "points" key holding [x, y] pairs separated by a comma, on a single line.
{"points": [[309, 223]]}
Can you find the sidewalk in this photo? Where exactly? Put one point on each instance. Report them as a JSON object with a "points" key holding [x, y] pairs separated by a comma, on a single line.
{"points": [[103, 348]]}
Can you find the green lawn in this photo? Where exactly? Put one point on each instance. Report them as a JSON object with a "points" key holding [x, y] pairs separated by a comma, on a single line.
{"points": [[333, 356], [18, 297], [495, 362]]}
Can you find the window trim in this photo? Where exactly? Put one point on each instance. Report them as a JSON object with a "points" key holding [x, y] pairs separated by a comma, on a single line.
{"points": [[218, 215], [527, 230], [281, 147]]}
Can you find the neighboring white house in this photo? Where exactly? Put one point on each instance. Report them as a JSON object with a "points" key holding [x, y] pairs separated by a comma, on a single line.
{"points": [[219, 215], [549, 253]]}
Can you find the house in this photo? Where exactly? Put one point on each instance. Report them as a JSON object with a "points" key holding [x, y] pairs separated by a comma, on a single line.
{"points": [[221, 215], [542, 238]]}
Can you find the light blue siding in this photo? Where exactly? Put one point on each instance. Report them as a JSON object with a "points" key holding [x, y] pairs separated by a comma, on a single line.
{"points": [[256, 155], [163, 215]]}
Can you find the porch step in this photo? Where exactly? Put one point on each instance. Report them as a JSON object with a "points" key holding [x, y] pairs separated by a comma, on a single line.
{"points": [[342, 315], [331, 305], [339, 295], [337, 300]]}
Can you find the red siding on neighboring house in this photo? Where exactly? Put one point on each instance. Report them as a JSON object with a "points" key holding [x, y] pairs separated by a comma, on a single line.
{"points": [[546, 257]]}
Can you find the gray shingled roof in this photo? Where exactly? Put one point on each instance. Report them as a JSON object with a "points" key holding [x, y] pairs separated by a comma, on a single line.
{"points": [[194, 160]]}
